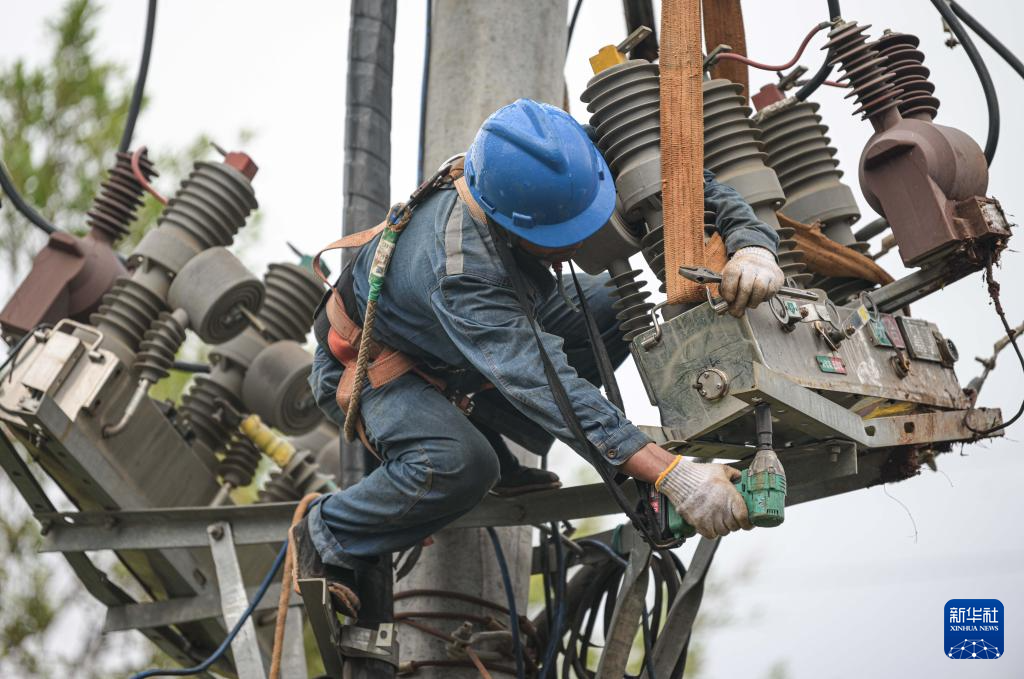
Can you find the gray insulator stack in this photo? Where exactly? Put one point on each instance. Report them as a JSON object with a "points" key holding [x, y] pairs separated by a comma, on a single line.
{"points": [[120, 196], [734, 152], [292, 294], [653, 247], [211, 205], [159, 346], [279, 488], [906, 63], [791, 259], [199, 405], [241, 457], [624, 102], [805, 162], [127, 311], [633, 310], [207, 211], [300, 477]]}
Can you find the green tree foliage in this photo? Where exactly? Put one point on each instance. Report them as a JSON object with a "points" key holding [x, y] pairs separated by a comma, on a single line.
{"points": [[60, 124]]}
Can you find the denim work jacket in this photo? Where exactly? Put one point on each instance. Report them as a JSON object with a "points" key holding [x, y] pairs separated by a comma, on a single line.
{"points": [[448, 301]]}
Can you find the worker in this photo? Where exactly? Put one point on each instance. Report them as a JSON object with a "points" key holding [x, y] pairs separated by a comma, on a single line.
{"points": [[534, 183]]}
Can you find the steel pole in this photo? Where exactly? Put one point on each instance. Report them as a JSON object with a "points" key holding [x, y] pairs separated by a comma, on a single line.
{"points": [[483, 55]]}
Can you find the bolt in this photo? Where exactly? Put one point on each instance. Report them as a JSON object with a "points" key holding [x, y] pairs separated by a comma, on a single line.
{"points": [[216, 531]]}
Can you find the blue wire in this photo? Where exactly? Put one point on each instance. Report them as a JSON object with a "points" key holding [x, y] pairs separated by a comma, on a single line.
{"points": [[606, 549], [517, 644], [215, 656]]}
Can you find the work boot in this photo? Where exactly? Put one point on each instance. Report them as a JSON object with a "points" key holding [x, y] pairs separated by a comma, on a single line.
{"points": [[521, 480], [307, 565], [515, 478]]}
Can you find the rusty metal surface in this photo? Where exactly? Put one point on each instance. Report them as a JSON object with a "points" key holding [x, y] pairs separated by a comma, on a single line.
{"points": [[699, 339]]}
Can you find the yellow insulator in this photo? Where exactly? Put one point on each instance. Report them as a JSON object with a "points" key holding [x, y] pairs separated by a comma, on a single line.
{"points": [[273, 446]]}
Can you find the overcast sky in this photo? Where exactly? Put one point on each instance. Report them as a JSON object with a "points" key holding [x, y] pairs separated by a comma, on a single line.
{"points": [[843, 588]]}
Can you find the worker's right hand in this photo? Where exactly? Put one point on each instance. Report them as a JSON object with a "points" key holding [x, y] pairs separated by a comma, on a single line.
{"points": [[705, 496], [751, 277]]}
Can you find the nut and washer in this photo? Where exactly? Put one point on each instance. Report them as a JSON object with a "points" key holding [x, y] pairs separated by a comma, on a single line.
{"points": [[712, 384]]}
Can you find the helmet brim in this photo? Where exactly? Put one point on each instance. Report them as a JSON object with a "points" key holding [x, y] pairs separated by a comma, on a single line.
{"points": [[571, 231]]}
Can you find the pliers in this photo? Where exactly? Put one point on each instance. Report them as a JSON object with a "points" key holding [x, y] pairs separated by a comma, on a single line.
{"points": [[705, 276]]}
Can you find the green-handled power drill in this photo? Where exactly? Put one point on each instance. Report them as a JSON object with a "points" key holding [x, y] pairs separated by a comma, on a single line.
{"points": [[762, 485]]}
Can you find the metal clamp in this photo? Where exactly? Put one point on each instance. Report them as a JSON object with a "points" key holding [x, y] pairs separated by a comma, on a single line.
{"points": [[649, 342], [367, 642], [720, 307], [81, 327], [638, 35]]}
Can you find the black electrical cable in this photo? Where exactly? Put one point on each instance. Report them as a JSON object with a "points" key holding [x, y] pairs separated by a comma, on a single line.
{"points": [[513, 616], [991, 40], [819, 77], [220, 650], [424, 84], [572, 23], [648, 643], [872, 229], [140, 81], [599, 598], [190, 367], [16, 349], [825, 70], [26, 210], [991, 99]]}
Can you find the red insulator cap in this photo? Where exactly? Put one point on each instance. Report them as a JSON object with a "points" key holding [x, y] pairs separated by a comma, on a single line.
{"points": [[241, 162], [766, 96]]}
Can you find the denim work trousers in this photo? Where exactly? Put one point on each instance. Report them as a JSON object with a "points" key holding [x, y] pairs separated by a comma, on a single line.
{"points": [[436, 464]]}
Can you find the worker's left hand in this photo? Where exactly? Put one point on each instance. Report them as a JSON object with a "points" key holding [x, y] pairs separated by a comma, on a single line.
{"points": [[750, 277]]}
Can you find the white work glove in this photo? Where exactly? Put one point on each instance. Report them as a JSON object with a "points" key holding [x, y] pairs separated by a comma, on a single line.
{"points": [[705, 496], [750, 277]]}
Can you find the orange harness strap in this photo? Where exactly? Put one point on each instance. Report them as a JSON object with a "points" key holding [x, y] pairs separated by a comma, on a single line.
{"points": [[343, 338]]}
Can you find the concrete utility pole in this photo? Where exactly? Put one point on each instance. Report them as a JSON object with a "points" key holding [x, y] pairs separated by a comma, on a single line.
{"points": [[484, 54]]}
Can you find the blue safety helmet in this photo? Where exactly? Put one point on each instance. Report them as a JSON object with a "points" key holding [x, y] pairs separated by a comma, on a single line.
{"points": [[535, 172]]}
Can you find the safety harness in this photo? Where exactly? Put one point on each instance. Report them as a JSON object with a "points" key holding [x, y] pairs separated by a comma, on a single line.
{"points": [[352, 344]]}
